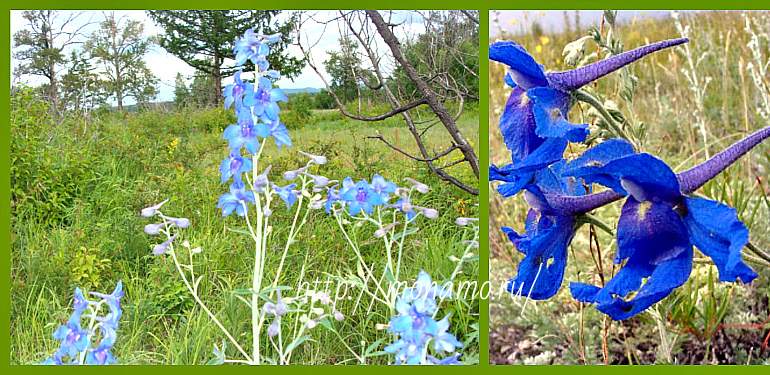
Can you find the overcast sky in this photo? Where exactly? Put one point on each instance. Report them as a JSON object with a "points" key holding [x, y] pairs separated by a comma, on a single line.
{"points": [[165, 66], [552, 21]]}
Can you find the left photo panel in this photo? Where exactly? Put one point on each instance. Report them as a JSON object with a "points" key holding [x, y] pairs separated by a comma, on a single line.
{"points": [[244, 187]]}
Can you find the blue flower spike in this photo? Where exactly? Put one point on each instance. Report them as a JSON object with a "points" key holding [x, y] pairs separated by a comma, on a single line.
{"points": [[416, 329], [75, 341]]}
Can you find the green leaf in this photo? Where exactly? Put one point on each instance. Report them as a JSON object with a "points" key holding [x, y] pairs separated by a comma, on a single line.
{"points": [[297, 342]]}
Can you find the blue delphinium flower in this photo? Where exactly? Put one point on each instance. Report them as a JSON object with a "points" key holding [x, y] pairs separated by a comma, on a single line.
{"points": [[257, 114], [75, 340], [236, 200], [535, 114], [236, 92], [280, 134], [242, 135], [548, 233], [287, 193], [416, 328], [102, 354], [360, 197], [254, 47], [264, 102], [404, 204], [657, 229], [383, 187], [234, 166], [332, 197], [614, 164]]}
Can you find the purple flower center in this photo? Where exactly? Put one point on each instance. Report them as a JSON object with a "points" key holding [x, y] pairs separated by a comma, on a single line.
{"points": [[361, 195]]}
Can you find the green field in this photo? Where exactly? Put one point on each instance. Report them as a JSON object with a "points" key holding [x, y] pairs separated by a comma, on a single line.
{"points": [[702, 322], [78, 184]]}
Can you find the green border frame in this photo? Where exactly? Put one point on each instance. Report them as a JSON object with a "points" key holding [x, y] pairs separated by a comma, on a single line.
{"points": [[484, 7]]}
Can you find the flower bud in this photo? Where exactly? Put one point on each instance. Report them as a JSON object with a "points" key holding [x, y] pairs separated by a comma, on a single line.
{"points": [[430, 213], [311, 324], [274, 328], [152, 210], [316, 159], [417, 185], [338, 316], [180, 222], [153, 229]]}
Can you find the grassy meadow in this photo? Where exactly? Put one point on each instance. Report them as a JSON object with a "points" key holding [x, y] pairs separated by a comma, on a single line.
{"points": [[703, 322], [79, 183]]}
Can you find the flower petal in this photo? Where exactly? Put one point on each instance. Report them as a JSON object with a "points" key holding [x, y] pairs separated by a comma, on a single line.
{"points": [[643, 176], [517, 125], [654, 241], [541, 271], [525, 71], [550, 110], [589, 164], [716, 230]]}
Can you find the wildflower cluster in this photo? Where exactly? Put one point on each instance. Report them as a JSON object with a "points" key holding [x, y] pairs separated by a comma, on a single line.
{"points": [[90, 344], [659, 223], [416, 328], [257, 114], [362, 197], [251, 196]]}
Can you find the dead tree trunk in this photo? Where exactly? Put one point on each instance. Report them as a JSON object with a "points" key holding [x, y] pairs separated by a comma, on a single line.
{"points": [[441, 112]]}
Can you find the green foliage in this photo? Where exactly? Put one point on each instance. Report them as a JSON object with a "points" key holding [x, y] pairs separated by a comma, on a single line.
{"points": [[45, 184], [82, 87], [119, 45], [299, 111], [323, 100], [41, 46], [344, 67], [181, 92], [204, 38], [87, 268], [138, 158], [449, 46], [700, 306]]}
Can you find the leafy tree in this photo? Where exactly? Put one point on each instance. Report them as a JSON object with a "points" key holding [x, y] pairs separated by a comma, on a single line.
{"points": [[323, 100], [181, 91], [344, 68], [119, 46], [81, 86], [41, 46], [204, 38], [202, 93]]}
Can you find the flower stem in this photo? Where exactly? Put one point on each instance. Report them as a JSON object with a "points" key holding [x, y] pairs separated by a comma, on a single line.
{"points": [[586, 97], [758, 252]]}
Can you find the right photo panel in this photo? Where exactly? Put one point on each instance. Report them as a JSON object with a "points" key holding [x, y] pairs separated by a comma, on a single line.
{"points": [[629, 208]]}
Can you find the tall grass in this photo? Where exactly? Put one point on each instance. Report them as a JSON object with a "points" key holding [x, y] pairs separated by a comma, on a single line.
{"points": [[132, 160]]}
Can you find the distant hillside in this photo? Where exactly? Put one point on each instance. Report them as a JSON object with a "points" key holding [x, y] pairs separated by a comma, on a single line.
{"points": [[310, 90]]}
